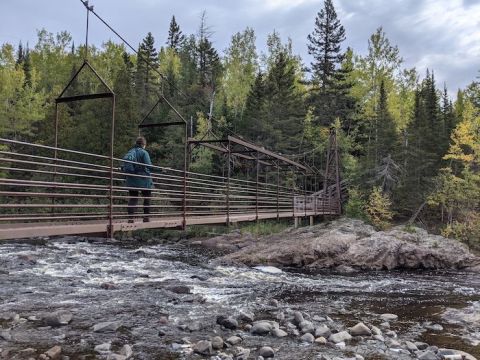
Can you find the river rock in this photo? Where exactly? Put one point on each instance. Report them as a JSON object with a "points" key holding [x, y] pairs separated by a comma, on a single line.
{"points": [[113, 356], [298, 318], [54, 352], [427, 355], [246, 316], [306, 327], [266, 352], [376, 331], [203, 347], [308, 338], [126, 351], [179, 289], [434, 327], [261, 328], [5, 335], [234, 340], [388, 317], [230, 323], [102, 348], [421, 345], [58, 318], [322, 330], [379, 338], [107, 326], [410, 346], [242, 353], [321, 340], [217, 343], [339, 337], [279, 333], [360, 330]]}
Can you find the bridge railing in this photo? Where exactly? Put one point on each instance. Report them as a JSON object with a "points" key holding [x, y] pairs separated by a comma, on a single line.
{"points": [[40, 183]]}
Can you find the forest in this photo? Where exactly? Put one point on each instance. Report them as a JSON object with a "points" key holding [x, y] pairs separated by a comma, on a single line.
{"points": [[410, 148]]}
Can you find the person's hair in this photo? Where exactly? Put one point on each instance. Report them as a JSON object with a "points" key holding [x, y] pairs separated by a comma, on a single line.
{"points": [[141, 141]]}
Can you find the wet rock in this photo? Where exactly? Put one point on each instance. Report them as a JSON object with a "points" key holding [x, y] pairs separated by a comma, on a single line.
{"points": [[339, 337], [410, 346], [393, 343], [217, 343], [322, 330], [273, 302], [230, 323], [5, 335], [194, 326], [391, 334], [434, 327], [261, 328], [266, 352], [113, 356], [242, 353], [9, 316], [306, 327], [298, 318], [388, 317], [421, 345], [345, 269], [379, 338], [54, 353], [308, 338], [427, 355], [29, 259], [234, 340], [376, 331], [108, 286], [58, 318], [360, 330], [179, 289], [126, 351], [102, 348], [321, 340], [279, 333], [107, 326], [246, 316], [203, 347]]}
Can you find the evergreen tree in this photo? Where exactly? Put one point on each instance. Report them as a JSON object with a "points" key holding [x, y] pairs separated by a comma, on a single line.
{"points": [[324, 45], [386, 134], [146, 81], [209, 65], [330, 92], [27, 68], [20, 55], [175, 35]]}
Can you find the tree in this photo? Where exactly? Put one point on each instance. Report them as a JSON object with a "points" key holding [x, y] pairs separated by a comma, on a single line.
{"points": [[378, 209], [175, 36], [329, 90], [325, 45], [209, 65], [240, 64], [146, 79]]}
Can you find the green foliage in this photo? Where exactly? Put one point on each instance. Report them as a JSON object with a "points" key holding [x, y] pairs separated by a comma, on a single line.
{"points": [[378, 209], [264, 228], [356, 205]]}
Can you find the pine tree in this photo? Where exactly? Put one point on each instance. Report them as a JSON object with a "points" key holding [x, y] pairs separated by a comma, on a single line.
{"points": [[324, 45], [329, 95], [145, 78], [27, 68], [20, 55], [209, 65], [175, 35], [386, 134]]}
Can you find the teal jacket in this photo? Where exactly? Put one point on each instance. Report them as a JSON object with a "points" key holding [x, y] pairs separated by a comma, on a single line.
{"points": [[141, 182]]}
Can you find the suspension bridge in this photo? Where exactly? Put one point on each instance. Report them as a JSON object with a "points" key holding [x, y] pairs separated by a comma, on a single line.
{"points": [[50, 190]]}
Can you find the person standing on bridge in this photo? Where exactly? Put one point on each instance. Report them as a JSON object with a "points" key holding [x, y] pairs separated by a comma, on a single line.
{"points": [[140, 179]]}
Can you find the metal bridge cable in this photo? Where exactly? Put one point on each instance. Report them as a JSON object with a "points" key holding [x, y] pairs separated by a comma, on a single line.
{"points": [[139, 56]]}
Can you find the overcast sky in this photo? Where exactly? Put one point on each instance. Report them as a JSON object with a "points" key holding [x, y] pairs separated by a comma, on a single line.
{"points": [[443, 35]]}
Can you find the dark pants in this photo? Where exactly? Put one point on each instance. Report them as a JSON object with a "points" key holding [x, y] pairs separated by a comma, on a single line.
{"points": [[133, 201]]}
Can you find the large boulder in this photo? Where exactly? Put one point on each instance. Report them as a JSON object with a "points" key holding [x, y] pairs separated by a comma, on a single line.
{"points": [[349, 242]]}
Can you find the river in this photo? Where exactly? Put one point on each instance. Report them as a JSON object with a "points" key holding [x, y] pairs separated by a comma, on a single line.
{"points": [[162, 294]]}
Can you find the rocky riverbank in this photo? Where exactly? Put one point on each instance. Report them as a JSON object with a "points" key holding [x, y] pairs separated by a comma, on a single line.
{"points": [[346, 245], [77, 298]]}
